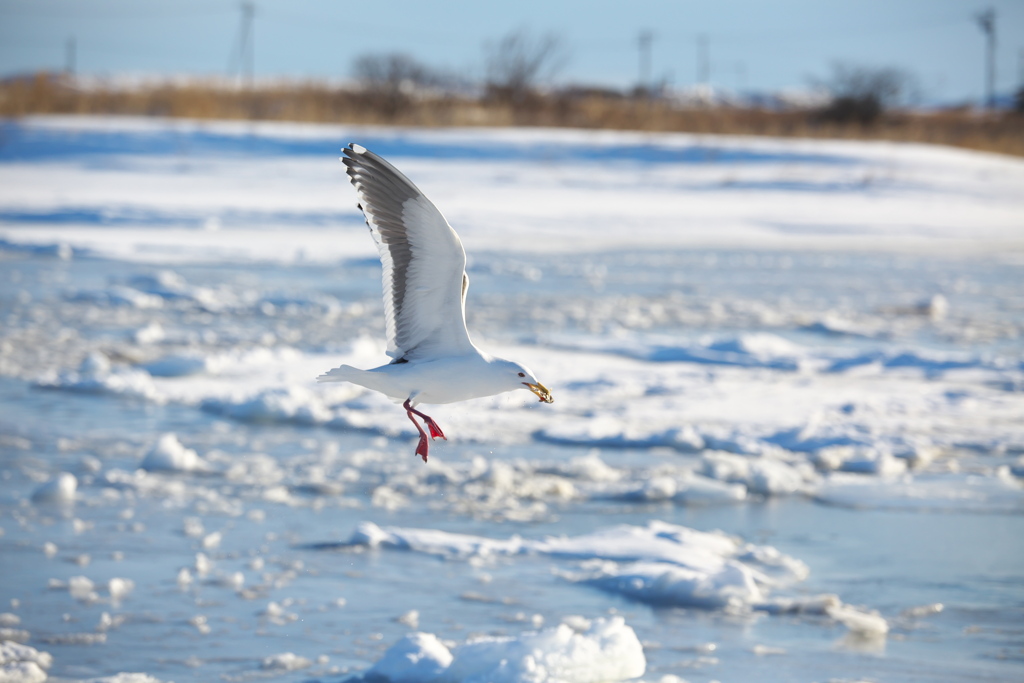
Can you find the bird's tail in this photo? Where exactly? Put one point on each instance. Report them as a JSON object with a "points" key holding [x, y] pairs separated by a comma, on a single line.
{"points": [[344, 373]]}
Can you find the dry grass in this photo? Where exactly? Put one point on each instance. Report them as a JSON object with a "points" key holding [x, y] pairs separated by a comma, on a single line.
{"points": [[318, 102]]}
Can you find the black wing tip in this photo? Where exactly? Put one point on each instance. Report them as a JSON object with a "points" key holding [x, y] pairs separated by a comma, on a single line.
{"points": [[354, 150], [366, 169], [359, 158]]}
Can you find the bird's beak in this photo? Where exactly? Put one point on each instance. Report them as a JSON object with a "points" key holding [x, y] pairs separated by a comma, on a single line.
{"points": [[542, 392]]}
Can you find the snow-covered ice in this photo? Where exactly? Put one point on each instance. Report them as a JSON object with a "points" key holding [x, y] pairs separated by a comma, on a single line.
{"points": [[790, 378], [60, 489], [602, 650], [416, 657], [22, 663]]}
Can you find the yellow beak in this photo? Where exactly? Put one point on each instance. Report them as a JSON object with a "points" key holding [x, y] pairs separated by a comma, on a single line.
{"points": [[542, 392]]}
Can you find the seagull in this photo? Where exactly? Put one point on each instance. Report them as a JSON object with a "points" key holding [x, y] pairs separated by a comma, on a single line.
{"points": [[433, 359]]}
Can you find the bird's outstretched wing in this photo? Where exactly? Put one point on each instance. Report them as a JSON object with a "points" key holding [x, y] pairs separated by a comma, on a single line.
{"points": [[424, 263]]}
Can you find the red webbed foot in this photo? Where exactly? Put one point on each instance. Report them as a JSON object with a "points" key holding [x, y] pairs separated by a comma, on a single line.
{"points": [[423, 448], [435, 430]]}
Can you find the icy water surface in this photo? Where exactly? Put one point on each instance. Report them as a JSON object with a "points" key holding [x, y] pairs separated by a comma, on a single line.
{"points": [[273, 515], [780, 463]]}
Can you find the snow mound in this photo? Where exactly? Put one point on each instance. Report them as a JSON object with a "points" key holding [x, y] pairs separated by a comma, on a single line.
{"points": [[168, 455], [750, 350], [177, 365], [169, 286], [661, 563], [586, 652], [96, 375], [278, 404], [60, 489], [119, 295], [867, 624], [124, 678], [416, 657], [732, 586], [684, 487], [765, 475], [999, 492], [23, 664], [608, 432], [285, 661]]}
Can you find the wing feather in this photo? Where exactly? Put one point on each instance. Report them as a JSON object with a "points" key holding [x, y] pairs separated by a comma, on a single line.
{"points": [[424, 263]]}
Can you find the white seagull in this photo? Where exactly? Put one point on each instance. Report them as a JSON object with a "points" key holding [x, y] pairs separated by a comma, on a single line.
{"points": [[425, 284]]}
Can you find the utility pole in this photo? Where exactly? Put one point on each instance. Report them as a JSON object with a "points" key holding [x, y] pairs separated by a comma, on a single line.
{"points": [[703, 62], [644, 44], [987, 21], [1020, 68], [243, 58], [70, 56]]}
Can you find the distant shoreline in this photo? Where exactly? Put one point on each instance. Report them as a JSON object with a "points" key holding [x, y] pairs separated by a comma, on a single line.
{"points": [[320, 102]]}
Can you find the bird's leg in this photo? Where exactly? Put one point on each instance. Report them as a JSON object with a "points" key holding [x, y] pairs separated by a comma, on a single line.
{"points": [[435, 430], [423, 449]]}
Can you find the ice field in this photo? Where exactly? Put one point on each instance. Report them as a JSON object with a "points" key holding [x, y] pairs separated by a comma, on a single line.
{"points": [[787, 442]]}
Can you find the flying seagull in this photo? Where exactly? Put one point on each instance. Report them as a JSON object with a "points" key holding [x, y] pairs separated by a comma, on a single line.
{"points": [[425, 284]]}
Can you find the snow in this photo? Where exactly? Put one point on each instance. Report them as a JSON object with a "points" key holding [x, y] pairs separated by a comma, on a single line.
{"points": [[286, 661], [980, 493], [868, 624], [416, 657], [124, 678], [22, 663], [662, 564], [119, 588], [764, 475], [60, 489], [97, 375], [735, 187], [601, 650], [169, 455], [789, 375]]}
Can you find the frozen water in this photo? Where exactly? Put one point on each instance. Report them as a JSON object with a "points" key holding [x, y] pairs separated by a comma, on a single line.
{"points": [[22, 663], [579, 651], [789, 373], [416, 657], [60, 489], [169, 455]]}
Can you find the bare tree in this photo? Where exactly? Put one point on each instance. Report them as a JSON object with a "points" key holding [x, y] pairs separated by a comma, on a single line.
{"points": [[518, 62], [861, 94], [389, 80]]}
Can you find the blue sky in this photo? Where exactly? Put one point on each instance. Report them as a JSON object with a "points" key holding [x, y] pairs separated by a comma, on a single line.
{"points": [[754, 44]]}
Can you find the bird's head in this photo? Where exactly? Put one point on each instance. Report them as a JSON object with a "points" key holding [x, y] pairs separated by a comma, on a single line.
{"points": [[520, 376]]}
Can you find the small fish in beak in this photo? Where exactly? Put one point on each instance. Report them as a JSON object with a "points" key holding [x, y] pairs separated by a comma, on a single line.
{"points": [[542, 392]]}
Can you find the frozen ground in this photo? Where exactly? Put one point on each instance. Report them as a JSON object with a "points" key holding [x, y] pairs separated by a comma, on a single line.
{"points": [[786, 444]]}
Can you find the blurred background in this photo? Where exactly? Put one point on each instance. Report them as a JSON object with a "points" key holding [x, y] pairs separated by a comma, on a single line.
{"points": [[920, 70]]}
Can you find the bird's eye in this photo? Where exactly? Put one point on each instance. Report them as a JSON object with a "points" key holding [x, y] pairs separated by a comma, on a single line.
{"points": [[522, 374]]}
